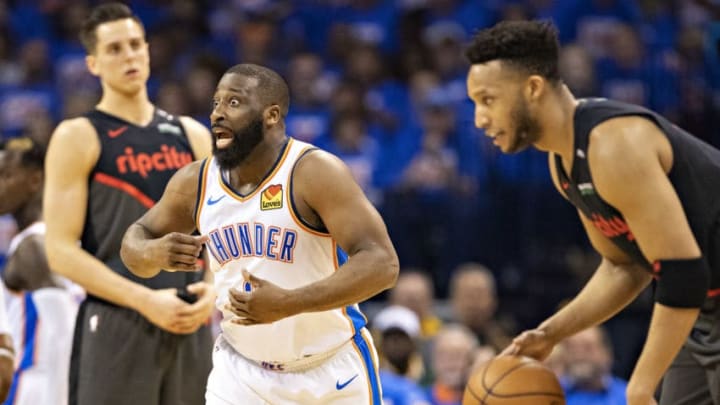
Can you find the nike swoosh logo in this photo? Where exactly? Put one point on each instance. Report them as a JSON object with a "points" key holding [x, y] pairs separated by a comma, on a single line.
{"points": [[210, 201], [340, 386], [114, 133]]}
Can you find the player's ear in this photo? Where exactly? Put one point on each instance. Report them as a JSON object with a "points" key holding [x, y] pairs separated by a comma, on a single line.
{"points": [[91, 63], [272, 114], [535, 87], [35, 180]]}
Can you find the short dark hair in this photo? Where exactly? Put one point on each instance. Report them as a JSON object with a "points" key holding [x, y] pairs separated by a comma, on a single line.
{"points": [[32, 153], [102, 14], [531, 46], [273, 88]]}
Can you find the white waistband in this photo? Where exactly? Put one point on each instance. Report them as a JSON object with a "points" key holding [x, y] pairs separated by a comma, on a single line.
{"points": [[298, 365]]}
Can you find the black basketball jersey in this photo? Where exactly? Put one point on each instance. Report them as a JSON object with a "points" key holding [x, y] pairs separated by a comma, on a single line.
{"points": [[134, 166], [695, 175]]}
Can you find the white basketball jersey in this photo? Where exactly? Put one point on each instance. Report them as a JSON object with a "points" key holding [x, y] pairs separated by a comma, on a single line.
{"points": [[41, 323], [262, 233]]}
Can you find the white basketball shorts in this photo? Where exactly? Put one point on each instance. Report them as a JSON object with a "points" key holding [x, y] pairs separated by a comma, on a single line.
{"points": [[348, 377]]}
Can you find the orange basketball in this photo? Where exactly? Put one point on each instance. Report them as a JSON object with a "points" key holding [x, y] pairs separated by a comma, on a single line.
{"points": [[513, 380]]}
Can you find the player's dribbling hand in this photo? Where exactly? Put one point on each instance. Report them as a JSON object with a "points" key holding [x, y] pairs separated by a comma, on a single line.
{"points": [[176, 251], [265, 303], [532, 343]]}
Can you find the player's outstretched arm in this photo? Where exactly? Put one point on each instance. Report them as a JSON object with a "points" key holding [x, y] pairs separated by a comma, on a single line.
{"points": [[160, 239], [630, 159]]}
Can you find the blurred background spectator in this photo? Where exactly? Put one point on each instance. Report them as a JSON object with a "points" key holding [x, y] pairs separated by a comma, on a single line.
{"points": [[586, 376], [414, 290], [452, 358], [396, 332], [474, 302]]}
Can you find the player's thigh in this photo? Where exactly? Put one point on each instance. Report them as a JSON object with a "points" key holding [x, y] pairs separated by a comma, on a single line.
{"points": [[213, 399], [686, 383], [186, 377], [348, 378], [233, 380], [713, 375], [120, 360]]}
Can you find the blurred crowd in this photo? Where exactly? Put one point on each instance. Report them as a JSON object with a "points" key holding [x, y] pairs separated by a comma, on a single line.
{"points": [[381, 83]]}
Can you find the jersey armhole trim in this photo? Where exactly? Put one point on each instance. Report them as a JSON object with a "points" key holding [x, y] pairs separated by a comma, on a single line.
{"points": [[562, 178], [98, 137], [291, 206], [202, 186]]}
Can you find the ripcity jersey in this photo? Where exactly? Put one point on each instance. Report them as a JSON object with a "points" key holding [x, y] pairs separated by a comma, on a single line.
{"points": [[134, 166], [261, 232], [695, 176]]}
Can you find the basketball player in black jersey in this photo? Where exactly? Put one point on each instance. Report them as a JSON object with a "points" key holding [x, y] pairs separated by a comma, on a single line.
{"points": [[647, 192], [136, 341]]}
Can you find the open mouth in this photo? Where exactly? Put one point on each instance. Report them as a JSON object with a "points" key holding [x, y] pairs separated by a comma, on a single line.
{"points": [[497, 137], [223, 136]]}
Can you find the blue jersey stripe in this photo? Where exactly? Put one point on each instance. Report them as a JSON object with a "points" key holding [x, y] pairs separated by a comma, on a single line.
{"points": [[367, 357], [356, 317], [31, 321], [341, 256]]}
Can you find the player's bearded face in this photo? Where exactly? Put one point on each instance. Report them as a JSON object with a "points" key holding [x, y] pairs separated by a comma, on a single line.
{"points": [[244, 141], [527, 129]]}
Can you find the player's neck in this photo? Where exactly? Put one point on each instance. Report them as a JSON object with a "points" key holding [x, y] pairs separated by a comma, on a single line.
{"points": [[253, 170], [29, 213], [558, 124], [135, 108]]}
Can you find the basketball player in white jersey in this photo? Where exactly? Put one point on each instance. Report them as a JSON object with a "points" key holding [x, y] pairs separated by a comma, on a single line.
{"points": [[7, 352], [277, 215], [40, 306]]}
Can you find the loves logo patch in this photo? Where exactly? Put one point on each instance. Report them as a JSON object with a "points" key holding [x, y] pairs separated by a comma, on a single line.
{"points": [[271, 198]]}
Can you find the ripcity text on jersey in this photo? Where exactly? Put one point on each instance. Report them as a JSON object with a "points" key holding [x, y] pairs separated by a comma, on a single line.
{"points": [[134, 166]]}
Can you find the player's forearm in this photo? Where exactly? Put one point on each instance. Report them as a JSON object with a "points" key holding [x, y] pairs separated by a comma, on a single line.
{"points": [[610, 289], [133, 251], [69, 260], [669, 328], [364, 275]]}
